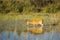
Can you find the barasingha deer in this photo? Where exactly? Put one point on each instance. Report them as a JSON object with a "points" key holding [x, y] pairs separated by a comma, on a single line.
{"points": [[36, 21]]}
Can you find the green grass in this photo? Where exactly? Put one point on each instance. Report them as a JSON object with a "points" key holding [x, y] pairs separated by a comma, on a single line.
{"points": [[21, 18]]}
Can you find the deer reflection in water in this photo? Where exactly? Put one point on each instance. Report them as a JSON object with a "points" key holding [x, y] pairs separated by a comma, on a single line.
{"points": [[34, 22]]}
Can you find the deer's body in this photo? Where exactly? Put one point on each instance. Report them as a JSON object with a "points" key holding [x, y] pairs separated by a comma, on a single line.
{"points": [[34, 21]]}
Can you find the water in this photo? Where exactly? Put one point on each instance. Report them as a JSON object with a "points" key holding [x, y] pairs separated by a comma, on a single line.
{"points": [[28, 36], [5, 25]]}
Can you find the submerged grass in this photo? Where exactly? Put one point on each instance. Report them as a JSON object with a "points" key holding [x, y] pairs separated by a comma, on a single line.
{"points": [[10, 21]]}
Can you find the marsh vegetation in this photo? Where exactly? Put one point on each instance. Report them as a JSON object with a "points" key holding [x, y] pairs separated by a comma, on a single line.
{"points": [[15, 13]]}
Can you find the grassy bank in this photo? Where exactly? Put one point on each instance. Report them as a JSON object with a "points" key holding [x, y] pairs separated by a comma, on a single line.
{"points": [[11, 21]]}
